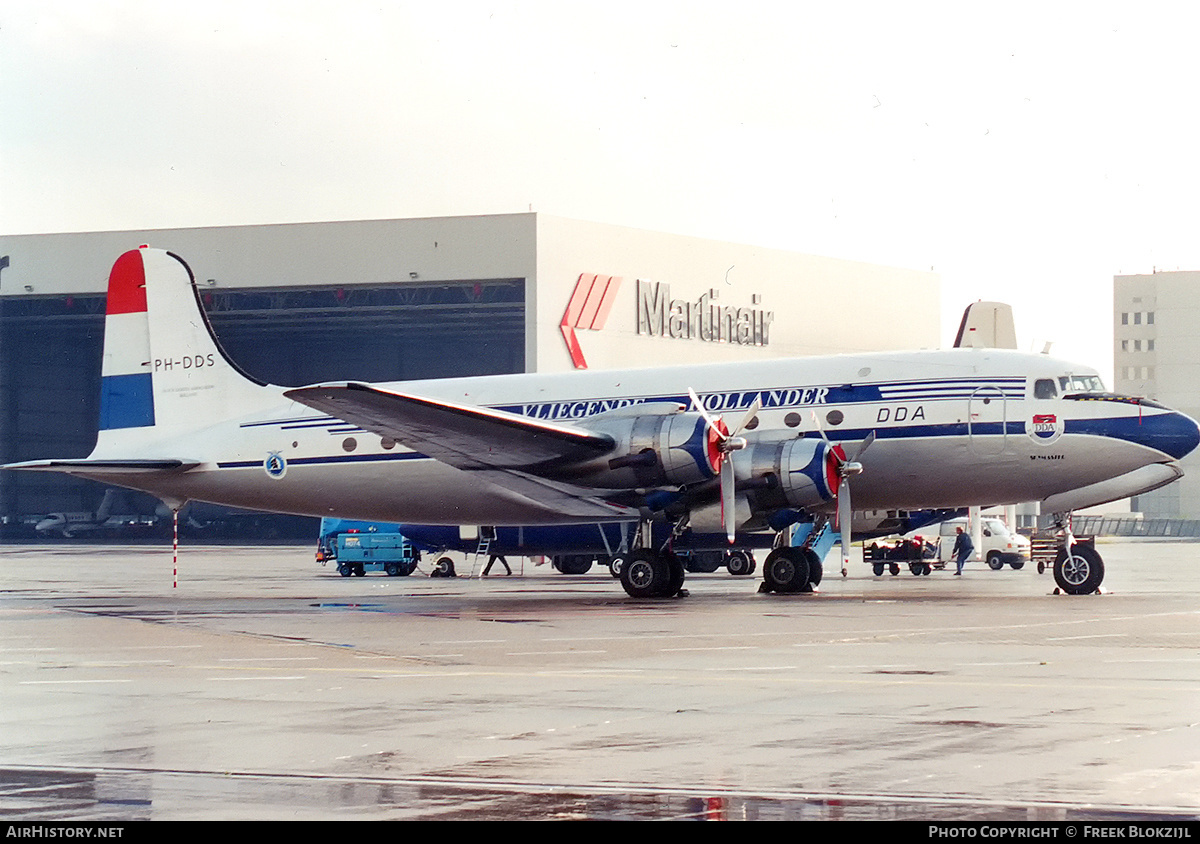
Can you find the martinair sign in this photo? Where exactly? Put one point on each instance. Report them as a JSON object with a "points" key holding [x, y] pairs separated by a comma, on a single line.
{"points": [[658, 315]]}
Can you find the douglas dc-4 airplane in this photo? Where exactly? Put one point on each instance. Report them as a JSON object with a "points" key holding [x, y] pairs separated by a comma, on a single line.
{"points": [[904, 431]]}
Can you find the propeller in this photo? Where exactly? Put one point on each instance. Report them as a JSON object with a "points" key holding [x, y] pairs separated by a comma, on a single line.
{"points": [[721, 443], [846, 469]]}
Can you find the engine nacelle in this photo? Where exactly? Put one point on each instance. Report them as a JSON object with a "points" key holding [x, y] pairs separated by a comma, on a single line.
{"points": [[670, 448], [798, 473]]}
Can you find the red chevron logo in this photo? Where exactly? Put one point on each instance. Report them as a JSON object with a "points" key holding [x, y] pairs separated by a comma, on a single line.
{"points": [[591, 302]]}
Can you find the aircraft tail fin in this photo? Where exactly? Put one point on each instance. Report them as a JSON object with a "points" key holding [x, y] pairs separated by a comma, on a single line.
{"points": [[987, 325], [163, 371]]}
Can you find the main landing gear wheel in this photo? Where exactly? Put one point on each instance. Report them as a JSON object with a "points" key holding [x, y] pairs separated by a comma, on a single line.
{"points": [[647, 574], [786, 570], [1078, 570], [444, 567], [740, 563], [815, 570]]}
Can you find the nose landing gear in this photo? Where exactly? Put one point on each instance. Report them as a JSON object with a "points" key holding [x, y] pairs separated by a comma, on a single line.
{"points": [[1078, 569]]}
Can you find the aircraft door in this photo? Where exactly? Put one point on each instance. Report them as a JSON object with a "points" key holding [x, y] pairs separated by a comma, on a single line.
{"points": [[987, 420]]}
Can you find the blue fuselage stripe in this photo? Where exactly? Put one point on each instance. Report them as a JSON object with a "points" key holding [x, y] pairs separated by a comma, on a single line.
{"points": [[337, 458]]}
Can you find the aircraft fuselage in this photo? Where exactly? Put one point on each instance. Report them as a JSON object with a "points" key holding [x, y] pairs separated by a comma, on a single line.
{"points": [[953, 428]]}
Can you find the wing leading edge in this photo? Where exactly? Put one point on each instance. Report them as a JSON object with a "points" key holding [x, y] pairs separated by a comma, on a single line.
{"points": [[502, 448]]}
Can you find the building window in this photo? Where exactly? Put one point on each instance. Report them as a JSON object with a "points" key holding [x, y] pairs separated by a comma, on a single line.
{"points": [[1137, 345], [1125, 319], [1137, 318], [1150, 318], [1124, 345], [1150, 345]]}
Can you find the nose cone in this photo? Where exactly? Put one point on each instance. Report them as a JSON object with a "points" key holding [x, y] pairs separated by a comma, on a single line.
{"points": [[1176, 434]]}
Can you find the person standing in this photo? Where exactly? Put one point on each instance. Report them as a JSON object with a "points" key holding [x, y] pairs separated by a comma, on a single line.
{"points": [[963, 546], [492, 560]]}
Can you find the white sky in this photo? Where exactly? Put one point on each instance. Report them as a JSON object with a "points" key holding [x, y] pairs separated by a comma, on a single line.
{"points": [[1025, 151]]}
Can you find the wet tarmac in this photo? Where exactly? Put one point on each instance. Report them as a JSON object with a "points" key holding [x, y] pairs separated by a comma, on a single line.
{"points": [[267, 687]]}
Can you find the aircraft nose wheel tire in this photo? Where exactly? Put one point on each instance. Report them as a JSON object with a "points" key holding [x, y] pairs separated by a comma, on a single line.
{"points": [[1079, 571]]}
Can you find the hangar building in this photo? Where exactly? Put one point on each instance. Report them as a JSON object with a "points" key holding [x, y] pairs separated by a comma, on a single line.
{"points": [[388, 300]]}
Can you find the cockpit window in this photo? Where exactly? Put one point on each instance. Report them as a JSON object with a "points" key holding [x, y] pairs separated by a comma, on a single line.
{"points": [[1044, 388], [1081, 384]]}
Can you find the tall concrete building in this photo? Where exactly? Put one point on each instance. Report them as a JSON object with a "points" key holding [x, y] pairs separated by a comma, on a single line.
{"points": [[1156, 354]]}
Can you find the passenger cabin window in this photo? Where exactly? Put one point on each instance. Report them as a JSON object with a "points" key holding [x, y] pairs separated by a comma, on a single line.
{"points": [[1044, 388]]}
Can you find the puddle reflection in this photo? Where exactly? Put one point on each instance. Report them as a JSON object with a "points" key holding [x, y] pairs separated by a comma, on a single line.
{"points": [[133, 795]]}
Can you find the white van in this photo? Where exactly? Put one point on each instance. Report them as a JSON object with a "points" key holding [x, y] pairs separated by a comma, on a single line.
{"points": [[999, 546]]}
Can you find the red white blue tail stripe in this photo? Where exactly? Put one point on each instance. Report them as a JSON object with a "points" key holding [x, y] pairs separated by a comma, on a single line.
{"points": [[126, 383]]}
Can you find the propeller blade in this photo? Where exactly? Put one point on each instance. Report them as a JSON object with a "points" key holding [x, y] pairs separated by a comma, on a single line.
{"points": [[728, 502], [817, 423], [754, 409], [846, 468], [703, 411], [726, 442], [863, 447], [844, 518]]}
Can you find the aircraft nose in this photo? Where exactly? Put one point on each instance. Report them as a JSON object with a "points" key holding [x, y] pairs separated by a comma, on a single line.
{"points": [[1176, 434]]}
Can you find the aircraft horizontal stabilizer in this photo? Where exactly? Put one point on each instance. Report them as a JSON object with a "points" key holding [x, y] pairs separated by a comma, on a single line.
{"points": [[103, 467], [461, 436]]}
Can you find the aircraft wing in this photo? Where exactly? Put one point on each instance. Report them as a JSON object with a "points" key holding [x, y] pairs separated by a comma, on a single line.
{"points": [[502, 448], [462, 436], [562, 499]]}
